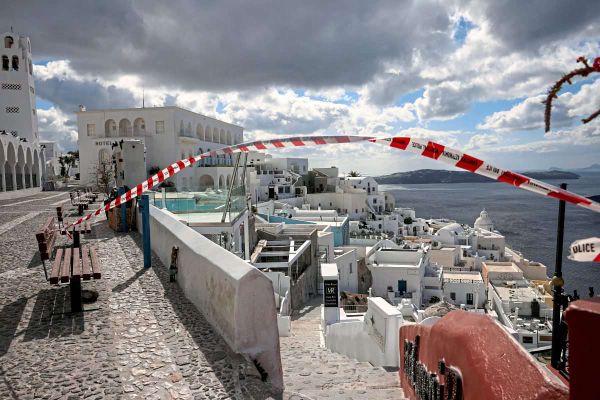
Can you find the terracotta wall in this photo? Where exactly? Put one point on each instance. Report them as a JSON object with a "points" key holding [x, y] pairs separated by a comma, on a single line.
{"points": [[478, 355]]}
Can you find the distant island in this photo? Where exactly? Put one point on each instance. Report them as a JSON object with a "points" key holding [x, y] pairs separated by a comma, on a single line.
{"points": [[444, 176]]}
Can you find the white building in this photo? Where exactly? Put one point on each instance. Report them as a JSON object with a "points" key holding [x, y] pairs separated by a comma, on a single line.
{"points": [[168, 133], [397, 273], [276, 178], [21, 160], [51, 153], [464, 288], [525, 310]]}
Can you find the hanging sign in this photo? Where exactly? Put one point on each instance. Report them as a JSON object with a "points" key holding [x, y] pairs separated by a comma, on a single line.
{"points": [[585, 250], [330, 293]]}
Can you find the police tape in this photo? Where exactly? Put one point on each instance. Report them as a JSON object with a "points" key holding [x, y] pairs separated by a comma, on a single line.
{"points": [[259, 145], [422, 147], [472, 164], [585, 250]]}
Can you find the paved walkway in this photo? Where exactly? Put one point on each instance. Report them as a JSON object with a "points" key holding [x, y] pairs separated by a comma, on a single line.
{"points": [[313, 372], [144, 341]]}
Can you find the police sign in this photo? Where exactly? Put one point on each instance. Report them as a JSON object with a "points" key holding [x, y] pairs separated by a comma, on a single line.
{"points": [[586, 250]]}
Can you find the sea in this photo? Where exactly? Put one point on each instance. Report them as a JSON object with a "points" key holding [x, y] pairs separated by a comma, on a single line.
{"points": [[528, 221]]}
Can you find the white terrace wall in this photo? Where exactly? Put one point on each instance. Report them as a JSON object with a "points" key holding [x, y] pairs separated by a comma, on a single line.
{"points": [[235, 298]]}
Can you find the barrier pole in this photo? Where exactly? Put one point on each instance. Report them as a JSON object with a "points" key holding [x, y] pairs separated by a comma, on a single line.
{"points": [[145, 211], [121, 191], [558, 283]]}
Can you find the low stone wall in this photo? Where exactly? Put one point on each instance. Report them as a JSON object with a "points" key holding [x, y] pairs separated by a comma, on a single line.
{"points": [[236, 298]]}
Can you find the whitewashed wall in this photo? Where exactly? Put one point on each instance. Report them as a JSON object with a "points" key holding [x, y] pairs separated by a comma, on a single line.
{"points": [[235, 298]]}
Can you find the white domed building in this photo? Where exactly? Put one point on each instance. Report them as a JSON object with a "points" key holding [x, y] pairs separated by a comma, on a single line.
{"points": [[484, 221]]}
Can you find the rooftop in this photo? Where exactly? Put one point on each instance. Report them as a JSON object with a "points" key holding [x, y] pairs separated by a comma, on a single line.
{"points": [[501, 266]]}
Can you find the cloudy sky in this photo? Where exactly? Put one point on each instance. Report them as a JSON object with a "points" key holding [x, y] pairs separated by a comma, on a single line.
{"points": [[468, 74]]}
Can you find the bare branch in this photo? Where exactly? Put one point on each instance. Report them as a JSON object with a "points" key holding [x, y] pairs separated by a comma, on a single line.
{"points": [[553, 92]]}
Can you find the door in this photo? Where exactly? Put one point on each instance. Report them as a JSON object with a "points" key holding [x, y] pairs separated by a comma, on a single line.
{"points": [[401, 286], [271, 192]]}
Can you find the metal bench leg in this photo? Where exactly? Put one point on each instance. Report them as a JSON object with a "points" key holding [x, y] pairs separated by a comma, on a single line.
{"points": [[45, 271], [76, 303], [80, 209]]}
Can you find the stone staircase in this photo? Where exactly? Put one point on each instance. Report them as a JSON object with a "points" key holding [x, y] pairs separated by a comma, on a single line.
{"points": [[313, 372]]}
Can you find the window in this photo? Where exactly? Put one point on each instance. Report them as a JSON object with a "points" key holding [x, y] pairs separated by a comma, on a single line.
{"points": [[11, 86], [527, 339], [374, 201], [280, 189], [350, 267], [30, 68], [8, 42], [91, 129], [5, 63], [470, 299], [160, 127], [15, 63], [453, 296], [33, 111]]}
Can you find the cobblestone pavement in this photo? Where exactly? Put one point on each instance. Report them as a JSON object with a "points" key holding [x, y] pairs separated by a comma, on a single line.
{"points": [[313, 372], [144, 340]]}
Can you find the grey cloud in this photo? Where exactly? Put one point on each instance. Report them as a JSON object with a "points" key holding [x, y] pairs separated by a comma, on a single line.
{"points": [[233, 44], [527, 25], [69, 94]]}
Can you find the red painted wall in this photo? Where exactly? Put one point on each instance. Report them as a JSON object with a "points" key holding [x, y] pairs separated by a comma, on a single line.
{"points": [[583, 319], [493, 366]]}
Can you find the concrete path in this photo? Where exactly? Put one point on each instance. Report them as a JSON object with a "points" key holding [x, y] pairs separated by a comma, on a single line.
{"points": [[313, 372]]}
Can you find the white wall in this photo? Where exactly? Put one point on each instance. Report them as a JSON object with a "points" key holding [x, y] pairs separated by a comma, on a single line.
{"points": [[375, 342], [236, 298], [347, 269]]}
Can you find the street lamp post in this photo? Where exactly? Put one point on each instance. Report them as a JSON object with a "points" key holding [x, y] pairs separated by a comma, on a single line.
{"points": [[558, 283]]}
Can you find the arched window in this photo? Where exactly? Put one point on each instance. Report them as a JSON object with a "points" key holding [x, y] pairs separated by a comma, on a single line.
{"points": [[199, 132], [188, 131], [181, 130], [15, 63], [8, 42], [110, 128], [139, 127], [5, 63]]}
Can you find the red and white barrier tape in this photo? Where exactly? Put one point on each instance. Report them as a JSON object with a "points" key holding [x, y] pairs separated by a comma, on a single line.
{"points": [[469, 163], [422, 147], [586, 250], [260, 145]]}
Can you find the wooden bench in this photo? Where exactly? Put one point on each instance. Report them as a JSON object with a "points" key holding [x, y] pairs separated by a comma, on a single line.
{"points": [[46, 239], [85, 228], [79, 202], [72, 265]]}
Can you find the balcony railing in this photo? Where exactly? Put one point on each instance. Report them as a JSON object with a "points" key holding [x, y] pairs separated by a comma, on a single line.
{"points": [[355, 308]]}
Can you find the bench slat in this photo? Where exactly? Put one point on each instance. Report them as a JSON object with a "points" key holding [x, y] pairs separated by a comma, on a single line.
{"points": [[76, 265], [85, 258], [95, 263], [54, 274], [46, 254], [65, 270]]}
